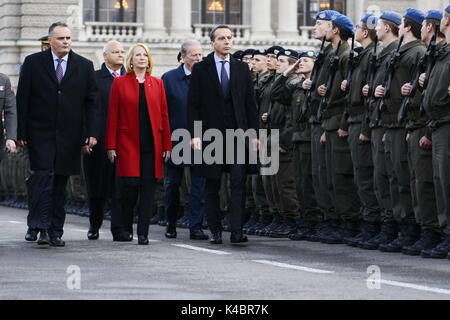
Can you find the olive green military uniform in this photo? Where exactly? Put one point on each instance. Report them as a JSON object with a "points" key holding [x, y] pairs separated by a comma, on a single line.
{"points": [[437, 106], [280, 117], [339, 165], [361, 152], [322, 187], [396, 149]]}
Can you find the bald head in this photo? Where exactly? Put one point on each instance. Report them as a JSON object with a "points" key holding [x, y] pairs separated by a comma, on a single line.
{"points": [[114, 55]]}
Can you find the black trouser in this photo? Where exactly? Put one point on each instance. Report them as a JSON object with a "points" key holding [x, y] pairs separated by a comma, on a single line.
{"points": [[132, 188], [361, 153], [46, 201], [237, 201]]}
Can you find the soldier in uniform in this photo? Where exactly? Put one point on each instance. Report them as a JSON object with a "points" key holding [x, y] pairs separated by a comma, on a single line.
{"points": [[420, 156], [322, 189], [396, 148], [344, 222], [437, 107], [386, 190], [359, 132], [279, 117]]}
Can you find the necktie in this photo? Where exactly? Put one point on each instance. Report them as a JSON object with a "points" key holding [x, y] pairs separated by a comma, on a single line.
{"points": [[59, 70], [115, 74], [224, 80]]}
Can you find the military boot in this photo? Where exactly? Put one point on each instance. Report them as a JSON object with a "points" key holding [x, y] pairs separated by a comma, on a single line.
{"points": [[320, 229], [368, 231], [428, 240], [262, 222], [162, 216], [305, 229], [334, 234], [388, 233], [288, 227], [254, 217], [409, 234], [441, 251], [276, 223]]}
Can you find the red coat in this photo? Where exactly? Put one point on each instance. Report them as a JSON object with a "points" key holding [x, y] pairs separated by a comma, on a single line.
{"points": [[122, 131]]}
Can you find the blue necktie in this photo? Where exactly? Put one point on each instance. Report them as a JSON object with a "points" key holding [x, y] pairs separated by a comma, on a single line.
{"points": [[224, 80]]}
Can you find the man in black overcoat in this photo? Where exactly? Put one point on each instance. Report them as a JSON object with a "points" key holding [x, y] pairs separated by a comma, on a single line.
{"points": [[221, 96], [57, 115]]}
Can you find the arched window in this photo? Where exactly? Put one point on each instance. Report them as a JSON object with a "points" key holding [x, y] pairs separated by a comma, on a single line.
{"points": [[307, 9], [109, 10], [217, 12]]}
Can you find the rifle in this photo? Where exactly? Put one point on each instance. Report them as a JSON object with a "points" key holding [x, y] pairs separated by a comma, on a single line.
{"points": [[379, 108], [431, 55], [315, 73], [334, 65], [421, 67], [351, 68], [371, 72]]}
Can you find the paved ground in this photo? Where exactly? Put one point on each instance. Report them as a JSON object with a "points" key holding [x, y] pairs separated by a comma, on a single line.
{"points": [[182, 269]]}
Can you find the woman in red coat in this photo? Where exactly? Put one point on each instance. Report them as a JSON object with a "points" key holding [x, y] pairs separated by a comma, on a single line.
{"points": [[138, 139]]}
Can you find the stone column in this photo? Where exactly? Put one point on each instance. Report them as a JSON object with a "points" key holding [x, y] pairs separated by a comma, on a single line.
{"points": [[287, 19], [261, 20], [154, 19], [181, 19]]}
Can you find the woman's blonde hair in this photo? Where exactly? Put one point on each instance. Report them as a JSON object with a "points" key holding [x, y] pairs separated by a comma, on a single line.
{"points": [[129, 60]]}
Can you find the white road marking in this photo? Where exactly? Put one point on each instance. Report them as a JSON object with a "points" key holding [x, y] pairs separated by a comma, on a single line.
{"points": [[200, 249], [412, 286], [84, 231], [291, 266], [149, 240], [16, 222]]}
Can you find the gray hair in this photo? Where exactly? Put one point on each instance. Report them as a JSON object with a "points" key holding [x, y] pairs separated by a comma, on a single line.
{"points": [[106, 47], [187, 45], [56, 24]]}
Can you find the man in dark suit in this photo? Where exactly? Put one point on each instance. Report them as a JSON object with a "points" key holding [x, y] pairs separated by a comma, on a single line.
{"points": [[221, 96], [98, 170], [57, 115], [176, 83]]}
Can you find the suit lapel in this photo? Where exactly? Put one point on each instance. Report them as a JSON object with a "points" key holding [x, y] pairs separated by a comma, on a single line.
{"points": [[49, 65], [212, 70], [71, 66], [233, 79]]}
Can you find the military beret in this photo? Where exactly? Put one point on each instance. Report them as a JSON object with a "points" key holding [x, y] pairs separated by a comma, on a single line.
{"points": [[43, 39], [238, 55], [308, 54], [274, 50], [344, 22], [414, 15], [259, 52], [392, 17], [327, 15], [448, 9], [248, 52], [434, 14], [288, 53], [370, 19]]}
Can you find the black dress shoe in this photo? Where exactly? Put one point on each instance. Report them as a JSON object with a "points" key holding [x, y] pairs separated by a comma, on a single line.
{"points": [[216, 238], [171, 234], [31, 235], [57, 242], [198, 235], [123, 237], [238, 237], [93, 234], [143, 240], [43, 238]]}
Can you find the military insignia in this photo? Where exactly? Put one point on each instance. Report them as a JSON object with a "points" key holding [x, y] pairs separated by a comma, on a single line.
{"points": [[311, 54], [322, 16], [334, 17], [299, 100]]}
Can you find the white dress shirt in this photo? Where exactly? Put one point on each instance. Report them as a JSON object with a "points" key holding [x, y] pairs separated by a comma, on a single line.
{"points": [[63, 63]]}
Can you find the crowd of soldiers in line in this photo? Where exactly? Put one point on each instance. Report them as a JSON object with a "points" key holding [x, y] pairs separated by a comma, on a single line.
{"points": [[364, 138]]}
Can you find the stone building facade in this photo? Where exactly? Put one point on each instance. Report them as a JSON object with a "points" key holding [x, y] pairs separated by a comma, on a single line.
{"points": [[165, 24]]}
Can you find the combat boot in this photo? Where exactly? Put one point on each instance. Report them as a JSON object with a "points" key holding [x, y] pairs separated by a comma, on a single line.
{"points": [[305, 229], [260, 224], [289, 226], [368, 231], [388, 233], [441, 251], [276, 223], [428, 240], [409, 234], [334, 234], [320, 229], [254, 217]]}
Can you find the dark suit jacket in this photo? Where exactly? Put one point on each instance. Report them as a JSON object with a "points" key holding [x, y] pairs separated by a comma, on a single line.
{"points": [[206, 102], [176, 85], [52, 116], [99, 171]]}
